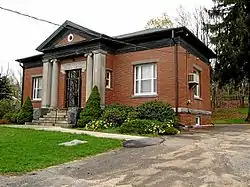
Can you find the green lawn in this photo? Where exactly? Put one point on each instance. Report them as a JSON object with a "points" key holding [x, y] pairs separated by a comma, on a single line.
{"points": [[230, 116], [24, 150]]}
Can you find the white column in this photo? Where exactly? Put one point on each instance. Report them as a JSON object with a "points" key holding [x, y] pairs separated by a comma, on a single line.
{"points": [[89, 75], [46, 83], [99, 72], [54, 84]]}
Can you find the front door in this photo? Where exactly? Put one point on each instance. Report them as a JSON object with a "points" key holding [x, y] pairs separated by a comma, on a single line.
{"points": [[73, 88]]}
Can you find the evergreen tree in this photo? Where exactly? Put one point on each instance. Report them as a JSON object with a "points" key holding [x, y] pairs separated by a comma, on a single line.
{"points": [[230, 34], [5, 87], [92, 110]]}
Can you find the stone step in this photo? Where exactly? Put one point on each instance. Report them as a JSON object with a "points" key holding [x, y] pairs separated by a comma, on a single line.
{"points": [[58, 112], [49, 121], [53, 118]]}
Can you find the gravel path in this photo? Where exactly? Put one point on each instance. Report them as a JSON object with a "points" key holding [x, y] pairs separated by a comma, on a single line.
{"points": [[220, 157]]}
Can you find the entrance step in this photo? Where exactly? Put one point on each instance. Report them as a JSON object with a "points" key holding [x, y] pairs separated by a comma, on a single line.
{"points": [[53, 118]]}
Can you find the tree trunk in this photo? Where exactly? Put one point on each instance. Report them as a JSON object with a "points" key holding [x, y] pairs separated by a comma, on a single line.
{"points": [[248, 115], [248, 57]]}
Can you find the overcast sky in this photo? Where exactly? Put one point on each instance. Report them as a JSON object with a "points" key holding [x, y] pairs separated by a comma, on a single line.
{"points": [[20, 35]]}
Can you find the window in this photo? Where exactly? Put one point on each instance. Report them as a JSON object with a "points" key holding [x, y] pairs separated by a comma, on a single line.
{"points": [[37, 88], [197, 88], [108, 79], [197, 120], [145, 79]]}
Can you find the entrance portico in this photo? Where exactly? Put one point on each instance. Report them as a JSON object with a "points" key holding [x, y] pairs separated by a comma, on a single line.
{"points": [[94, 68]]}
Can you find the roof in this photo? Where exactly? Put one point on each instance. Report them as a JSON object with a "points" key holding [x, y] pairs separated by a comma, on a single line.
{"points": [[30, 58], [147, 35], [181, 32], [69, 25], [142, 32]]}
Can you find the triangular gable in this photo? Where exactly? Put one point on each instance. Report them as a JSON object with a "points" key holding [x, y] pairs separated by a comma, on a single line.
{"points": [[68, 33]]}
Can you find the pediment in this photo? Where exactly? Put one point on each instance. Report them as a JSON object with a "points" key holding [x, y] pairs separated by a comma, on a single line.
{"points": [[69, 38], [68, 34]]}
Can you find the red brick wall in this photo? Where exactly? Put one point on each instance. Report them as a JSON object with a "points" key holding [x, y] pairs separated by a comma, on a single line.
{"points": [[187, 62], [109, 96], [28, 84], [123, 76], [189, 119]]}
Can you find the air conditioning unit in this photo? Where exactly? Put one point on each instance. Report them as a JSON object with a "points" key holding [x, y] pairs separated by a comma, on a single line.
{"points": [[193, 79]]}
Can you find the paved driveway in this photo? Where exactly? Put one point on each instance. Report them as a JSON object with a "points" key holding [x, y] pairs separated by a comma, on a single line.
{"points": [[220, 157]]}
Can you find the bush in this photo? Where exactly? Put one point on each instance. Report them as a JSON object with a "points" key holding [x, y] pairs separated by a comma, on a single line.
{"points": [[8, 116], [139, 126], [92, 111], [98, 124], [114, 116], [156, 110], [133, 115], [14, 117], [26, 113], [7, 105], [116, 113]]}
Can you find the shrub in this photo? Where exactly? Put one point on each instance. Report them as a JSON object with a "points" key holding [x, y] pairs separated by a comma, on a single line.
{"points": [[26, 113], [92, 111], [116, 113], [118, 106], [133, 115], [98, 124], [8, 116], [14, 117], [156, 110], [139, 126], [114, 116], [6, 106]]}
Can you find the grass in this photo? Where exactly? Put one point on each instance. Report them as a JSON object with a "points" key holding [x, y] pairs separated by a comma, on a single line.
{"points": [[24, 150], [230, 116]]}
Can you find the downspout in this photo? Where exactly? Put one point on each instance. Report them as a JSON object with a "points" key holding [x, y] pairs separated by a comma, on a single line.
{"points": [[22, 82], [176, 62]]}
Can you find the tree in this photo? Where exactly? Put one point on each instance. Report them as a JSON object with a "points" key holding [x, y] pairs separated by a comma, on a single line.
{"points": [[195, 20], [183, 18], [5, 87], [92, 110], [230, 34], [26, 113], [162, 21]]}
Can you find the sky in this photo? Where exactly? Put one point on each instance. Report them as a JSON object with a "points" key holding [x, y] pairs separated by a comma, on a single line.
{"points": [[20, 36]]}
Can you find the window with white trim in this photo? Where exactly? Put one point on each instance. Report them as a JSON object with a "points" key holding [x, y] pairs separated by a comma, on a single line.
{"points": [[37, 88], [108, 79], [145, 79], [197, 88], [197, 120]]}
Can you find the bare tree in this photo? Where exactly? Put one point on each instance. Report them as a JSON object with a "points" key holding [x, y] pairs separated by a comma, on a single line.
{"points": [[162, 21]]}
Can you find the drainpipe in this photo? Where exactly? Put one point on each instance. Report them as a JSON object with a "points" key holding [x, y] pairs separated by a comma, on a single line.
{"points": [[176, 62], [22, 82]]}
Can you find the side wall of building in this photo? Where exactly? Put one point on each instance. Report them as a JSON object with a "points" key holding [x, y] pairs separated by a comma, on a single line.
{"points": [[29, 73]]}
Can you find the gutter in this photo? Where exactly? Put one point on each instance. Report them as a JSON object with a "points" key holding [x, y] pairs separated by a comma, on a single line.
{"points": [[176, 62], [22, 82]]}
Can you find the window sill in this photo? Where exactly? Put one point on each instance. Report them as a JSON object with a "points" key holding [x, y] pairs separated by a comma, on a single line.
{"points": [[145, 96], [36, 100], [197, 98], [108, 88]]}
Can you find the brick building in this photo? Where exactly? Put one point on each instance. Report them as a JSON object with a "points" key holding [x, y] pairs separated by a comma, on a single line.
{"points": [[170, 65]]}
